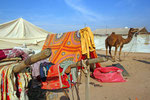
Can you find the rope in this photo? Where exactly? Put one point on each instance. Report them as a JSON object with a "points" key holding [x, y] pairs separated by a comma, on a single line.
{"points": [[72, 93], [130, 48], [76, 87], [83, 63], [77, 91], [66, 94], [79, 79]]}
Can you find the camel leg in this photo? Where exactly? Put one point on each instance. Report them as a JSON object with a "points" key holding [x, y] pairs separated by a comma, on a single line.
{"points": [[106, 51], [120, 52], [110, 51], [115, 53]]}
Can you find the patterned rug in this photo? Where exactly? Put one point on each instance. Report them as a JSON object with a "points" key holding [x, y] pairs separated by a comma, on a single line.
{"points": [[64, 46]]}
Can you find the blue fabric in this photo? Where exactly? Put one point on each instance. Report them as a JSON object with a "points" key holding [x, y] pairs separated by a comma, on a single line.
{"points": [[44, 67]]}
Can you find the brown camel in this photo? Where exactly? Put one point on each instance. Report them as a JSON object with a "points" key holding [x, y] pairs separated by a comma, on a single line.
{"points": [[118, 41]]}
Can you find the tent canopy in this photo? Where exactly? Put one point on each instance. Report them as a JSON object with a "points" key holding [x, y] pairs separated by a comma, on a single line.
{"points": [[20, 31]]}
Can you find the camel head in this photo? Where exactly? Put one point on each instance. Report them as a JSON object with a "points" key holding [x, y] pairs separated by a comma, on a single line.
{"points": [[113, 33], [133, 31]]}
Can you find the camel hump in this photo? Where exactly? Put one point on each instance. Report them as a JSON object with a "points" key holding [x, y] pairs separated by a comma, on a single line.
{"points": [[113, 33]]}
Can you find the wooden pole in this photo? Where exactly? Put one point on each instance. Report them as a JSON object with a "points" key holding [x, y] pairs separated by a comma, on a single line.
{"points": [[87, 81], [86, 65], [89, 61], [10, 59], [32, 59]]}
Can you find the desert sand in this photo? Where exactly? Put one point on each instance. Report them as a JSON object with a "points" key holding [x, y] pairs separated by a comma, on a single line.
{"points": [[137, 86]]}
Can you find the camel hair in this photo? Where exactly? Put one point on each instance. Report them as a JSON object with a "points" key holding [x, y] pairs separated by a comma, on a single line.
{"points": [[116, 41]]}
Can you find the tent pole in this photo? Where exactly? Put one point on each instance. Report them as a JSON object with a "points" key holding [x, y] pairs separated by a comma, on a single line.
{"points": [[87, 81]]}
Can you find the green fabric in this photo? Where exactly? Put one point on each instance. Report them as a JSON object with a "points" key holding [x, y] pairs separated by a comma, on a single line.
{"points": [[65, 65]]}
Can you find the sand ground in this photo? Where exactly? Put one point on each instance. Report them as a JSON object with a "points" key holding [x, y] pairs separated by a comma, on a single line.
{"points": [[137, 86]]}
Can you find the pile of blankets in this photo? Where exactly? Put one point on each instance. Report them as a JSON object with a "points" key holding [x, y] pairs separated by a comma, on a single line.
{"points": [[4, 53], [12, 53], [13, 86]]}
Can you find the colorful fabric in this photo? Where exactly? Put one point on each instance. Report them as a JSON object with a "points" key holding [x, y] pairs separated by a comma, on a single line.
{"points": [[11, 85], [4, 53], [87, 41], [66, 49], [109, 74], [44, 67], [17, 53], [36, 68], [94, 55], [8, 83], [55, 79], [3, 83], [22, 82], [64, 46], [65, 65], [12, 53]]}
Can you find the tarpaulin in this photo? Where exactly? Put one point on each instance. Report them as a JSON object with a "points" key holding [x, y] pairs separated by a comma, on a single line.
{"points": [[109, 74]]}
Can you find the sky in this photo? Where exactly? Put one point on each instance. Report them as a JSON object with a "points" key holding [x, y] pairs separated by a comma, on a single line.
{"points": [[59, 16]]}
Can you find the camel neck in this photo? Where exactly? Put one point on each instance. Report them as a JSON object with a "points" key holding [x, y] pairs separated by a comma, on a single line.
{"points": [[127, 40]]}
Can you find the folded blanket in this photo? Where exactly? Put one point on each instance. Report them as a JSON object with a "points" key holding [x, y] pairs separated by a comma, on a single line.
{"points": [[17, 53], [12, 53], [4, 53], [9, 87]]}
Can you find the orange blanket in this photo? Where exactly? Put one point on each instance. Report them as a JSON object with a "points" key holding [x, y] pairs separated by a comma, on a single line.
{"points": [[64, 46]]}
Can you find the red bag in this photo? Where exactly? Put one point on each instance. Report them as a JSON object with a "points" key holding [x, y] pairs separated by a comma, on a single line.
{"points": [[109, 74]]}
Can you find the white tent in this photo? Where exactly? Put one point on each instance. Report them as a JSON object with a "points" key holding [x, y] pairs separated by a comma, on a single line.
{"points": [[19, 32], [121, 31], [141, 43]]}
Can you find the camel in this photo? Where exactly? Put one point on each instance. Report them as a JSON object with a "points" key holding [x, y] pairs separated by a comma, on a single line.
{"points": [[118, 41]]}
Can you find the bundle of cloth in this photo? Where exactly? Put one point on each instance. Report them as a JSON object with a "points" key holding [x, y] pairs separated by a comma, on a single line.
{"points": [[4, 53], [15, 52], [13, 86], [108, 74], [67, 48]]}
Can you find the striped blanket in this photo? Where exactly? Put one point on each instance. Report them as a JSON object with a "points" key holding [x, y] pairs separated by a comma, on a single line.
{"points": [[12, 53], [12, 84]]}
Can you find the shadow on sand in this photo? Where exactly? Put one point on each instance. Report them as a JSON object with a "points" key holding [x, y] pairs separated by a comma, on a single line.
{"points": [[143, 61], [101, 55]]}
